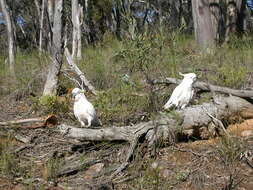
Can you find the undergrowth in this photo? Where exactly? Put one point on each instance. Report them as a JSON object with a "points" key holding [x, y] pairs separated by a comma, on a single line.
{"points": [[122, 72]]}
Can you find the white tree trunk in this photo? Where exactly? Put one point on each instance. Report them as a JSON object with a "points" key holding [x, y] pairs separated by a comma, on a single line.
{"points": [[79, 32], [41, 24], [50, 11], [74, 7], [10, 34], [204, 33], [54, 68], [77, 17]]}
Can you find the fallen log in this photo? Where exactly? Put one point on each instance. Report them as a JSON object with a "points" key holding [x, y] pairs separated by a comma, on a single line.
{"points": [[209, 87], [49, 120], [190, 118], [166, 126]]}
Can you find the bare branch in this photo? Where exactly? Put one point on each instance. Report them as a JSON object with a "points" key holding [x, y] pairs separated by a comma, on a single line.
{"points": [[209, 87]]}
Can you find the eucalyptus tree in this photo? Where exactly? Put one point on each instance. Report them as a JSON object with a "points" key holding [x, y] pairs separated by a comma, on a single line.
{"points": [[54, 68], [10, 34], [203, 29]]}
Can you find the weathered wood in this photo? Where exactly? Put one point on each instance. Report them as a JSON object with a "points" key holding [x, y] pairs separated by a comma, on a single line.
{"points": [[76, 166], [48, 120], [209, 87], [187, 119], [74, 67], [165, 126]]}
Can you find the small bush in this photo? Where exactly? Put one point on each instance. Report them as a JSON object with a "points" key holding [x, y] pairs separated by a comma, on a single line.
{"points": [[230, 149], [53, 104]]}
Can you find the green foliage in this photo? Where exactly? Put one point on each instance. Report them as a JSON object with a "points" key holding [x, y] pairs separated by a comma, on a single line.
{"points": [[230, 149], [120, 104], [232, 74], [52, 104]]}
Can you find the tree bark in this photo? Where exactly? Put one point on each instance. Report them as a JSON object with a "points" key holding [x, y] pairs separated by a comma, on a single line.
{"points": [[41, 24], [204, 33], [51, 84], [10, 34], [77, 16], [188, 121], [79, 32], [74, 8]]}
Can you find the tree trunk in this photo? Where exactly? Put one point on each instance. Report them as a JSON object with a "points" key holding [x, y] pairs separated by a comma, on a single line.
{"points": [[10, 35], [74, 7], [57, 51], [79, 32], [41, 24], [77, 16], [204, 33], [50, 20]]}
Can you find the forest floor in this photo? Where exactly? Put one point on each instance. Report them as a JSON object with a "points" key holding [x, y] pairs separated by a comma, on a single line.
{"points": [[41, 163]]}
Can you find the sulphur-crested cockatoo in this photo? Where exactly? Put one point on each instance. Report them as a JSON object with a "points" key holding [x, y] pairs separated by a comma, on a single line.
{"points": [[83, 109], [183, 93]]}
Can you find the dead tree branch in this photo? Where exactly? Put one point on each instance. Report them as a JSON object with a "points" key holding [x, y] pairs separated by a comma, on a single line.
{"points": [[74, 67], [207, 87], [187, 121], [45, 121]]}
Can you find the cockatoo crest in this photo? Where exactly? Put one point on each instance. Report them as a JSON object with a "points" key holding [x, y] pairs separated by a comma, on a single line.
{"points": [[83, 109], [183, 93]]}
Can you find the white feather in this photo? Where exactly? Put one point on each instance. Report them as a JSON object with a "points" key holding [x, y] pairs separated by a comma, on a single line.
{"points": [[84, 111], [183, 93]]}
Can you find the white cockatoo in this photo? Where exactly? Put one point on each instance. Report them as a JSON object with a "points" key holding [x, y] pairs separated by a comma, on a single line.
{"points": [[183, 93], [84, 111]]}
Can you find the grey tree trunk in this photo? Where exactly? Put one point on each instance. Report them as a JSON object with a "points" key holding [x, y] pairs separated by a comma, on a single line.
{"points": [[74, 8], [79, 32], [57, 51], [41, 24], [50, 14], [204, 33], [50, 10], [10, 34], [77, 15]]}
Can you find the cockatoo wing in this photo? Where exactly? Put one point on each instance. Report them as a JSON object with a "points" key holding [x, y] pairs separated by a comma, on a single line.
{"points": [[174, 98]]}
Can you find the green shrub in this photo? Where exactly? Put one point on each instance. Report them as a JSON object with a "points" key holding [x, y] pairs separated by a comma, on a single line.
{"points": [[53, 104]]}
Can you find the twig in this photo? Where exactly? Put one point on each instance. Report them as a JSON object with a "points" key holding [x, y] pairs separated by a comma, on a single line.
{"points": [[72, 79], [190, 151], [217, 122]]}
